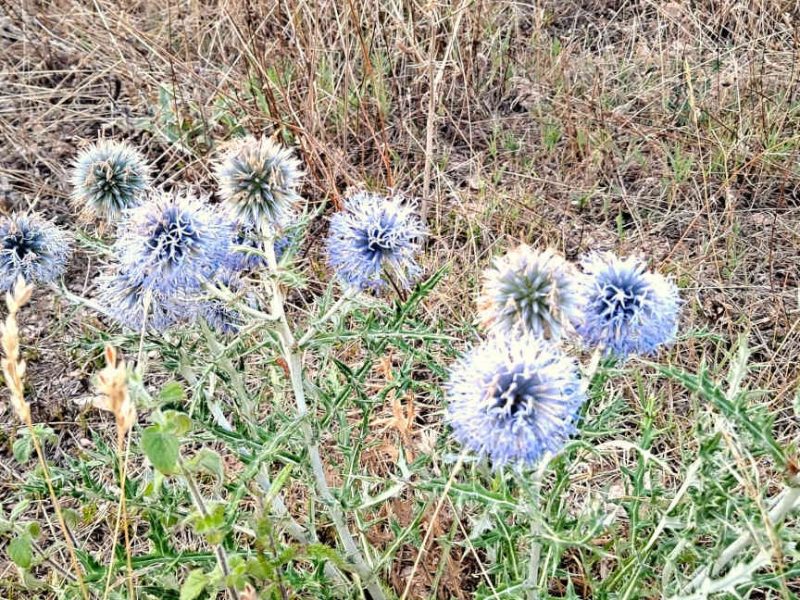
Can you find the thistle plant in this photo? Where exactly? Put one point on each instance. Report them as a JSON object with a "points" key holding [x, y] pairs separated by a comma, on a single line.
{"points": [[32, 248], [375, 239], [627, 309], [269, 382], [128, 300], [512, 399], [530, 292], [259, 179], [108, 178], [174, 241]]}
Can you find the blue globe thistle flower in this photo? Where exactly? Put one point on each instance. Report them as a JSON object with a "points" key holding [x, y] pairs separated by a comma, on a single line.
{"points": [[33, 248], [173, 242], [512, 399], [530, 292], [374, 235], [109, 178], [628, 309], [259, 179], [126, 299]]}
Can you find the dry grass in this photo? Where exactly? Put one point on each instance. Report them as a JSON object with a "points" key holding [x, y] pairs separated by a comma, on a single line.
{"points": [[629, 125]]}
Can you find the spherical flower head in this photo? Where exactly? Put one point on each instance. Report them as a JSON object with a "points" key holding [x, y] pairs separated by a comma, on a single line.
{"points": [[259, 179], [127, 300], [530, 292], [173, 242], [628, 309], [109, 178], [512, 399], [375, 236], [33, 248]]}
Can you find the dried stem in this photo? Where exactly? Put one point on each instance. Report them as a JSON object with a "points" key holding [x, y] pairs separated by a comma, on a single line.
{"points": [[112, 383], [14, 371]]}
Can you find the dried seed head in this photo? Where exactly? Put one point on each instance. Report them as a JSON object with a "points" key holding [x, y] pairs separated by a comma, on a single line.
{"points": [[13, 366], [112, 383]]}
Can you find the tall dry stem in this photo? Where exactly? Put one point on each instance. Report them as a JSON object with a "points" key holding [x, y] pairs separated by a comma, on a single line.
{"points": [[14, 372], [112, 383]]}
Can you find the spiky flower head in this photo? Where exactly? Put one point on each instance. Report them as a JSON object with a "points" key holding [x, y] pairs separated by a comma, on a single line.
{"points": [[127, 300], [259, 179], [375, 236], [108, 178], [172, 242], [530, 292], [512, 399], [33, 248], [628, 309]]}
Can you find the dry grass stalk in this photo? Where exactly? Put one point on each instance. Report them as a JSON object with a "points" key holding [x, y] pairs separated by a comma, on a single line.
{"points": [[112, 383], [14, 371]]}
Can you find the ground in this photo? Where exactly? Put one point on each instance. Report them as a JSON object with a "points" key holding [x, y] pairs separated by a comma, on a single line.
{"points": [[663, 128]]}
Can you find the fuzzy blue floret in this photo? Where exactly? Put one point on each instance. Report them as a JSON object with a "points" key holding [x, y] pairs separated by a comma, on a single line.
{"points": [[125, 299], [33, 248], [173, 242], [627, 309], [247, 248], [259, 180], [512, 399], [374, 235], [109, 178], [530, 292]]}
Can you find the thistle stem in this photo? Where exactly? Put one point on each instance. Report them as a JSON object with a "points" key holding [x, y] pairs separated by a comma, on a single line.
{"points": [[289, 348], [788, 501], [219, 550], [314, 327]]}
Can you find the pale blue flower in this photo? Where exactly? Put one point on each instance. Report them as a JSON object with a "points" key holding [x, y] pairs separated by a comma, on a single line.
{"points": [[127, 300], [628, 309], [108, 178], [530, 292], [32, 248], [512, 399], [375, 237], [260, 179], [173, 242]]}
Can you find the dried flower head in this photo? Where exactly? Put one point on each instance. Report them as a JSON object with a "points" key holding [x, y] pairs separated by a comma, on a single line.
{"points": [[530, 292], [628, 309], [32, 248], [373, 237], [260, 179], [172, 242], [108, 178], [512, 399]]}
